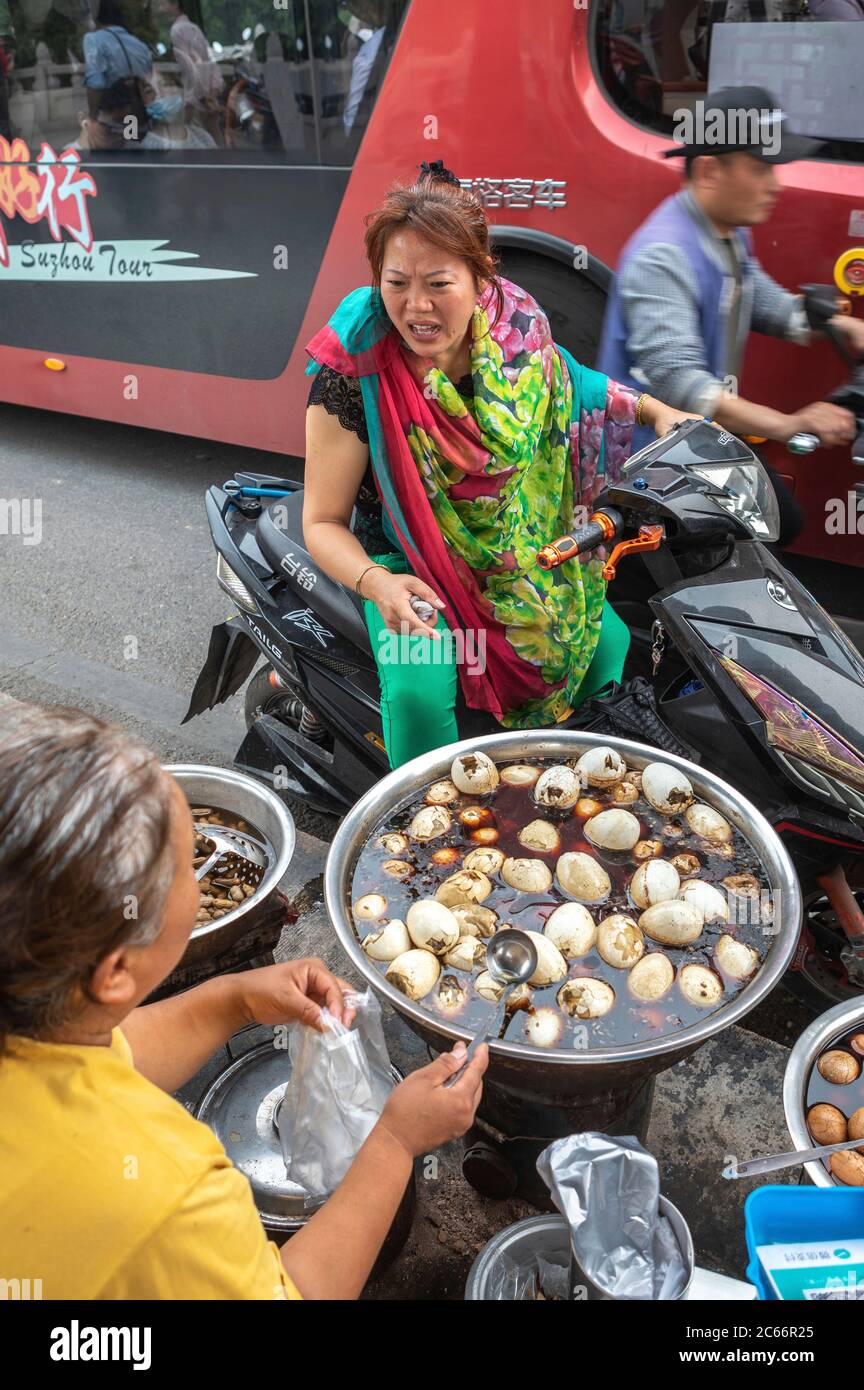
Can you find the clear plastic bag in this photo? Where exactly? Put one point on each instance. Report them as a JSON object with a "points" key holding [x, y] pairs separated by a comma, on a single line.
{"points": [[340, 1081], [541, 1279]]}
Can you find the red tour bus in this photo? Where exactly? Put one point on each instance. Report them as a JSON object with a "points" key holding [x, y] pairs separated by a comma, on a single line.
{"points": [[172, 282]]}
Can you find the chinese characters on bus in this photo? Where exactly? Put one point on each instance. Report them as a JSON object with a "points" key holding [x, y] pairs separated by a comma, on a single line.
{"points": [[51, 187], [519, 193]]}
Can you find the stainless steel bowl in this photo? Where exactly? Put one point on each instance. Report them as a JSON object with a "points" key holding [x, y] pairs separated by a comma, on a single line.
{"points": [[241, 796], [563, 1076], [815, 1039], [549, 1236]]}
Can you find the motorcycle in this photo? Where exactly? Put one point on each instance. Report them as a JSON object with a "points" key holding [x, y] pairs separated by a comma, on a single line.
{"points": [[751, 675], [760, 682]]}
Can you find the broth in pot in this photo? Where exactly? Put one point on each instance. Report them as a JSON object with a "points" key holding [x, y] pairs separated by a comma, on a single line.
{"points": [[649, 909]]}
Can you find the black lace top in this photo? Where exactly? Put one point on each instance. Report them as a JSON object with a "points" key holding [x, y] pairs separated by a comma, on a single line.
{"points": [[341, 396]]}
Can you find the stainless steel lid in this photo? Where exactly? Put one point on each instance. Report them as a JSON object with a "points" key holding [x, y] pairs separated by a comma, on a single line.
{"points": [[240, 1108]]}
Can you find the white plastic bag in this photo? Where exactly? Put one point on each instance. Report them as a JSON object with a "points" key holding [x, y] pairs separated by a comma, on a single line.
{"points": [[340, 1081]]}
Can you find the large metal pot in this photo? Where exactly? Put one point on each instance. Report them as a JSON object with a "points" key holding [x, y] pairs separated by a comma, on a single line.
{"points": [[241, 796], [815, 1040], [586, 1079]]}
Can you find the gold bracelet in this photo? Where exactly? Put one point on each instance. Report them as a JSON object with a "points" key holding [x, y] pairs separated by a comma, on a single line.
{"points": [[361, 574], [639, 404]]}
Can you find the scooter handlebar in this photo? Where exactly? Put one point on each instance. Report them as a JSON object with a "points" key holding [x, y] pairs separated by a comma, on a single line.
{"points": [[803, 443], [599, 530]]}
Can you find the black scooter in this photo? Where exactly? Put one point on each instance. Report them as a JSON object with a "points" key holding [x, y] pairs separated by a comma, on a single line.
{"points": [[751, 675]]}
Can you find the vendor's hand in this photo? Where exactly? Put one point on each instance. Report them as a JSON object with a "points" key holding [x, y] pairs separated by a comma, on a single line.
{"points": [[662, 418], [831, 423], [293, 992], [420, 1114], [391, 594]]}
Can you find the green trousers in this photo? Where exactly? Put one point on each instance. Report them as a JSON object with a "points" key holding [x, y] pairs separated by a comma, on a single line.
{"points": [[419, 678]]}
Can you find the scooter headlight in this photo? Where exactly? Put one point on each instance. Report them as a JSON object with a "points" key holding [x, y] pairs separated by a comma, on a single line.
{"points": [[744, 490], [227, 580]]}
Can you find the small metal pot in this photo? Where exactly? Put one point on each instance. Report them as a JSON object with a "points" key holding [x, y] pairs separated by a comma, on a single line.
{"points": [[549, 1236], [241, 796], [240, 1107], [815, 1040]]}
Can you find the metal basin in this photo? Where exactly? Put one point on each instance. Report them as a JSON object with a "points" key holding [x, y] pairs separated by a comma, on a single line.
{"points": [[815, 1039], [553, 1075], [241, 1106], [241, 796], [549, 1236]]}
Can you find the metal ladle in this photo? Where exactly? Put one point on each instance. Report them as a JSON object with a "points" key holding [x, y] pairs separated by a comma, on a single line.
{"points": [[754, 1167], [511, 959], [240, 854]]}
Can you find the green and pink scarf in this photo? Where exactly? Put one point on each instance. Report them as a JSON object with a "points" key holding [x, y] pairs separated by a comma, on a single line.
{"points": [[473, 494]]}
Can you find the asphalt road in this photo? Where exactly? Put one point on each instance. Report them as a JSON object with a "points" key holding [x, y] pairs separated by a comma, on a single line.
{"points": [[112, 609]]}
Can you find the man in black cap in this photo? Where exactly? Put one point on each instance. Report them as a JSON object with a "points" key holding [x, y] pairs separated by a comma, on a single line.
{"points": [[689, 288]]}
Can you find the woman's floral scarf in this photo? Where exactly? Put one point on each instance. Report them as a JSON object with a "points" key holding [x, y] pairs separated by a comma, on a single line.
{"points": [[472, 495]]}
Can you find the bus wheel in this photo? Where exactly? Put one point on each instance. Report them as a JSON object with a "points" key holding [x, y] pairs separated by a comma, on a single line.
{"points": [[574, 305]]}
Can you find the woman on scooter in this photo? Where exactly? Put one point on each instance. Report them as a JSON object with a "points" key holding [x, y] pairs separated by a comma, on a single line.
{"points": [[466, 439]]}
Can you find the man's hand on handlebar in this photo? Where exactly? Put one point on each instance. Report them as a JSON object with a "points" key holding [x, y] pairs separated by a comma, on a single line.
{"points": [[851, 330], [830, 423], [392, 594]]}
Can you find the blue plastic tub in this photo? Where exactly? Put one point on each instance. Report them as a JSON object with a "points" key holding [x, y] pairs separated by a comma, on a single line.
{"points": [[782, 1215]]}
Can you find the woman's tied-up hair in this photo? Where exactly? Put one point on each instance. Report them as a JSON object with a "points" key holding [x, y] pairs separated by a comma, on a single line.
{"points": [[437, 172], [86, 860], [442, 212]]}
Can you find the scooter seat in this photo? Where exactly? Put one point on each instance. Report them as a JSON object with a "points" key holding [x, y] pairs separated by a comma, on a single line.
{"points": [[279, 533]]}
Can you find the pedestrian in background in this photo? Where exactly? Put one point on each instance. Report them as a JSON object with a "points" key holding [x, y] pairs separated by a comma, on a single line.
{"points": [[202, 79]]}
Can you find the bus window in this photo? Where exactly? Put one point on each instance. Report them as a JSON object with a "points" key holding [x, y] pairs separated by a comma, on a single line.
{"points": [[654, 57], [96, 76], [42, 67], [210, 79], [265, 66], [352, 42]]}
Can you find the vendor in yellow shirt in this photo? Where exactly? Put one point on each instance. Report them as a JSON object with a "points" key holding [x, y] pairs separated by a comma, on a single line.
{"points": [[109, 1189]]}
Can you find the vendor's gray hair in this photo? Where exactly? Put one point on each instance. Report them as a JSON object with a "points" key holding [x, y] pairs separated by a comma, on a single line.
{"points": [[86, 860]]}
